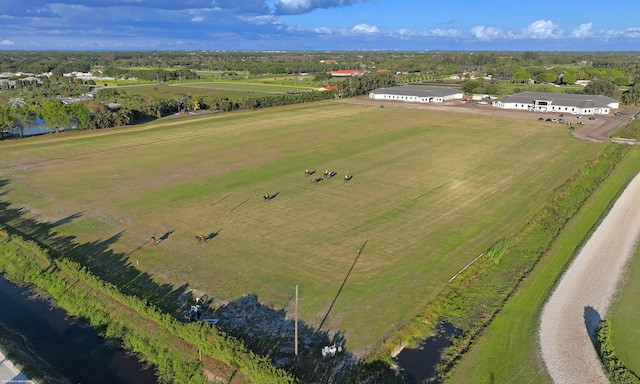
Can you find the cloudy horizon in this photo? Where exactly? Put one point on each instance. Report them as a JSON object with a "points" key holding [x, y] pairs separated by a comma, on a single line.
{"points": [[315, 25]]}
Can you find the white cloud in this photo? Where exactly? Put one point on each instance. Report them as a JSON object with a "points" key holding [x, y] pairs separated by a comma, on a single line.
{"points": [[542, 29], [6, 42], [487, 33], [261, 20], [323, 31], [629, 33], [446, 33], [365, 29], [297, 7], [582, 31], [197, 19]]}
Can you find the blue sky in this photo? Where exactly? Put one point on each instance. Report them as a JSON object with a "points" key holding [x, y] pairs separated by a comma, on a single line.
{"points": [[541, 25]]}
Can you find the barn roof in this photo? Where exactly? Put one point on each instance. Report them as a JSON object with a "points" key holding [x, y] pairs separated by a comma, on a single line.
{"points": [[417, 91], [563, 99]]}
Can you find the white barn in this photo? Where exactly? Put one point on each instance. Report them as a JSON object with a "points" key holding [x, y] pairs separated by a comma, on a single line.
{"points": [[416, 94], [558, 102]]}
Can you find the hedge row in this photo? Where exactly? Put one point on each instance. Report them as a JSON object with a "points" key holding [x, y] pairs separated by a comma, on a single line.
{"points": [[85, 296], [472, 300], [614, 368]]}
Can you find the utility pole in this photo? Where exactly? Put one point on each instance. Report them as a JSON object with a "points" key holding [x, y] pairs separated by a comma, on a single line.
{"points": [[296, 323]]}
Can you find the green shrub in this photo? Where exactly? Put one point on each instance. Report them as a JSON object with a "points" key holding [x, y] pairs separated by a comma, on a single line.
{"points": [[614, 368]]}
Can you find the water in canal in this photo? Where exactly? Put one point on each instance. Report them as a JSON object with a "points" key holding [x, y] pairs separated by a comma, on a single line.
{"points": [[69, 347]]}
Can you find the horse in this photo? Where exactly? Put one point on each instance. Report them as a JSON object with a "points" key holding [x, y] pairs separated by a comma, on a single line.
{"points": [[347, 178], [266, 197], [308, 172], [153, 239], [316, 180], [201, 238]]}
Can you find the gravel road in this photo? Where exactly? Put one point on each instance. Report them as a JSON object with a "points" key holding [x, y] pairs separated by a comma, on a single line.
{"points": [[585, 292]]}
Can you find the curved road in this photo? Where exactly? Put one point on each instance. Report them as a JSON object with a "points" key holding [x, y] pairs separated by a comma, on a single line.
{"points": [[585, 291], [600, 131]]}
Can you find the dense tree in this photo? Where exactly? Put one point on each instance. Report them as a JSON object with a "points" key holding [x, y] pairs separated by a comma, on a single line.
{"points": [[56, 114], [632, 95], [521, 77], [470, 86], [22, 117], [81, 116], [601, 87], [6, 119]]}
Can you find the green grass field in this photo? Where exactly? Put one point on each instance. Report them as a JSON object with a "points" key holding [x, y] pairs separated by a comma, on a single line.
{"points": [[430, 191], [623, 315], [221, 89], [247, 87]]}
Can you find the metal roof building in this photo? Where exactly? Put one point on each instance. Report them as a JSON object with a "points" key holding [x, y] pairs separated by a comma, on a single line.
{"points": [[416, 94], [558, 102]]}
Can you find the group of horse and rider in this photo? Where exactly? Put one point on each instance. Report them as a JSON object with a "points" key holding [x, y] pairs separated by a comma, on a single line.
{"points": [[201, 238], [327, 175]]}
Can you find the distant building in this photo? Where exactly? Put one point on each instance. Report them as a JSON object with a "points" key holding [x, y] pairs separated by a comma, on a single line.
{"points": [[31, 80], [558, 102], [417, 94], [8, 84], [346, 73]]}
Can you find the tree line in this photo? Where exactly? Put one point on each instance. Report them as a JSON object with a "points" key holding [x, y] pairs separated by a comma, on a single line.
{"points": [[117, 107]]}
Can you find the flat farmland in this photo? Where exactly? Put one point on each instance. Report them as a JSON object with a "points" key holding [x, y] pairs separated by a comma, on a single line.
{"points": [[221, 89], [430, 191], [171, 91], [248, 87]]}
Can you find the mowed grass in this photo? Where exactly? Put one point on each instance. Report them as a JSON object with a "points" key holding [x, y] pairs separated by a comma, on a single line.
{"points": [[623, 315], [248, 87], [430, 191], [171, 91], [221, 89]]}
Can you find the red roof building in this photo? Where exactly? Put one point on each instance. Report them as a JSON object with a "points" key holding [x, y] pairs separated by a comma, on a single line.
{"points": [[345, 73]]}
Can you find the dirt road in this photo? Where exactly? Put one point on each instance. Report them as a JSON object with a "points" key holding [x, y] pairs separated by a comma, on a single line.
{"points": [[584, 294]]}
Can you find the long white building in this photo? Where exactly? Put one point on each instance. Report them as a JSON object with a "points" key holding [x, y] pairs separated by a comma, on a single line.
{"points": [[558, 102], [416, 94]]}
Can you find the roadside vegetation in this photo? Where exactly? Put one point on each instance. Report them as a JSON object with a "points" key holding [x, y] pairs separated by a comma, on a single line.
{"points": [[508, 348], [618, 334]]}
